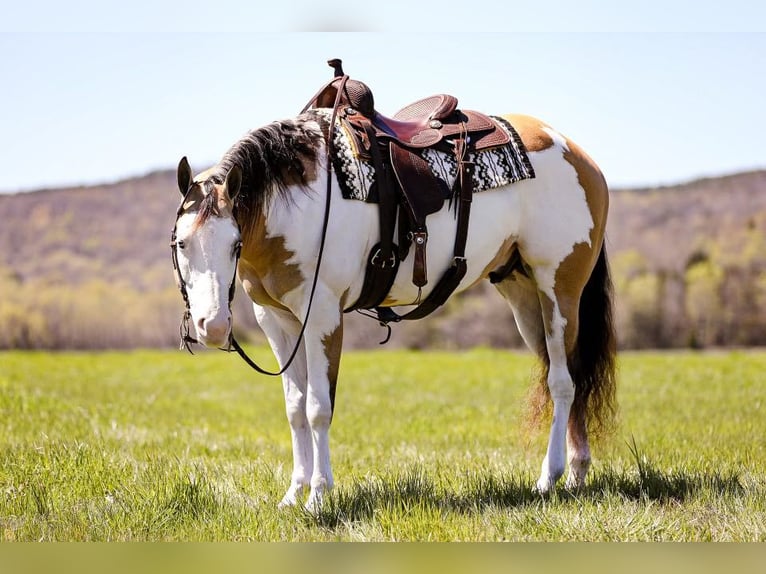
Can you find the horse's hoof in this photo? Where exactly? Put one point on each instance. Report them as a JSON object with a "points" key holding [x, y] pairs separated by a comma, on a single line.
{"points": [[314, 503], [291, 498], [543, 486]]}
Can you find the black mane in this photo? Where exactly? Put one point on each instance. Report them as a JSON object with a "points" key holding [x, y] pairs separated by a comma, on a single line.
{"points": [[272, 159]]}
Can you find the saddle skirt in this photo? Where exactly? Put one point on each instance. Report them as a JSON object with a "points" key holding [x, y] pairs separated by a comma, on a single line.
{"points": [[494, 167]]}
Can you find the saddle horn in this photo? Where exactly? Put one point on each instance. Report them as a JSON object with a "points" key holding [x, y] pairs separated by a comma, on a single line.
{"points": [[337, 65]]}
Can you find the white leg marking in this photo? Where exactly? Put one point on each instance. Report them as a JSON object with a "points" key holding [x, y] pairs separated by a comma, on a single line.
{"points": [[562, 391], [282, 331], [319, 414], [325, 319]]}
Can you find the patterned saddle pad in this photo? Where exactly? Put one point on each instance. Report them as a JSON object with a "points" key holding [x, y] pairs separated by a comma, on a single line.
{"points": [[495, 167]]}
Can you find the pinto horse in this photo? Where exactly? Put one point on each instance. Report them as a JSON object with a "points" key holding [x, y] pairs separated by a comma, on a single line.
{"points": [[263, 215]]}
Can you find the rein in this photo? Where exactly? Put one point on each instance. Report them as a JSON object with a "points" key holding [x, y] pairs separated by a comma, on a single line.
{"points": [[186, 339]]}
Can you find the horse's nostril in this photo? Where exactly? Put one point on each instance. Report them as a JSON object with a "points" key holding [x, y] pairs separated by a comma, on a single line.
{"points": [[201, 324]]}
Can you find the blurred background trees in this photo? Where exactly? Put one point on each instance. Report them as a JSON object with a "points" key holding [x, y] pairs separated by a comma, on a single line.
{"points": [[89, 268]]}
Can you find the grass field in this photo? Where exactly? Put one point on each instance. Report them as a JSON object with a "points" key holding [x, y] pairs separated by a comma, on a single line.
{"points": [[425, 446]]}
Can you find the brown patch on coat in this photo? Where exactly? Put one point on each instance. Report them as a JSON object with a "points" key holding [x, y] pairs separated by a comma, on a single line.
{"points": [[573, 273], [215, 203], [333, 346], [264, 264], [193, 199], [254, 287], [530, 131], [571, 277], [593, 183]]}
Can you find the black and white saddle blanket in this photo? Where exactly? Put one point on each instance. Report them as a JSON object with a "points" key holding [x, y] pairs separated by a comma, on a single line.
{"points": [[495, 167]]}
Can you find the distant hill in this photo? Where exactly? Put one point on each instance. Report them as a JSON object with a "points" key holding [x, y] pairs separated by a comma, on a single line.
{"points": [[118, 231], [99, 255], [669, 224]]}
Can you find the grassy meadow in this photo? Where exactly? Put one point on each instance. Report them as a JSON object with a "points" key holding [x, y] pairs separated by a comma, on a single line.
{"points": [[160, 445]]}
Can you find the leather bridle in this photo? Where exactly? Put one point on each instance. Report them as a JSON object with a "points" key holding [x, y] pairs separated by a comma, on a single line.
{"points": [[186, 339]]}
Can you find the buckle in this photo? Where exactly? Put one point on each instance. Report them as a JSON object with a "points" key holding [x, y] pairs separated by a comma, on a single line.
{"points": [[379, 263], [419, 237]]}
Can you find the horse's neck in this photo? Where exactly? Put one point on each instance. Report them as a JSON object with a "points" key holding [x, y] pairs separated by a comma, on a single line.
{"points": [[286, 214]]}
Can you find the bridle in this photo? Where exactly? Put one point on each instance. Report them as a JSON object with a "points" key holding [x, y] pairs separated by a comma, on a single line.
{"points": [[186, 339]]}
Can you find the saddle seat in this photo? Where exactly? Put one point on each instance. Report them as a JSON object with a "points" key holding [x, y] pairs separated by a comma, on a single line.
{"points": [[418, 123]]}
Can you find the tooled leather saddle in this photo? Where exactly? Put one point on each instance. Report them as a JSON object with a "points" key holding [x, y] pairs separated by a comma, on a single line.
{"points": [[407, 190]]}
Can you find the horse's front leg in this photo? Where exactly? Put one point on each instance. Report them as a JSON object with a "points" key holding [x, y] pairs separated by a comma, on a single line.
{"points": [[282, 330], [323, 340]]}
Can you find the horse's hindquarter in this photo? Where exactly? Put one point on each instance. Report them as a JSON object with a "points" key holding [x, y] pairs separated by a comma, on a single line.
{"points": [[564, 206], [544, 217]]}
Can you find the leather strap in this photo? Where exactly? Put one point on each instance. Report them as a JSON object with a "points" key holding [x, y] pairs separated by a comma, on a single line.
{"points": [[455, 272], [383, 260], [386, 195]]}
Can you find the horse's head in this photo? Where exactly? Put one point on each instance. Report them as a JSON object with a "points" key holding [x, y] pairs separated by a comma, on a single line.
{"points": [[206, 244]]}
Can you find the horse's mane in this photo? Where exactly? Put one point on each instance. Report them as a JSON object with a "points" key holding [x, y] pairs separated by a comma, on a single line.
{"points": [[273, 159]]}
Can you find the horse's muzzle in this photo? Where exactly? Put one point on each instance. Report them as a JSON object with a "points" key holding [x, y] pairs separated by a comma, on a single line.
{"points": [[213, 332]]}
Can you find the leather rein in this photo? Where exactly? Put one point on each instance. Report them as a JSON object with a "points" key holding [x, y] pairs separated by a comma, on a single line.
{"points": [[186, 339]]}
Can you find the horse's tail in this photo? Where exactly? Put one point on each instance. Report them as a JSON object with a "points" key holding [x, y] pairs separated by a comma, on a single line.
{"points": [[592, 363]]}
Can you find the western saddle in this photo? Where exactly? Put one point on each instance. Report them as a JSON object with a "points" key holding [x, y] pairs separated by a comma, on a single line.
{"points": [[405, 188]]}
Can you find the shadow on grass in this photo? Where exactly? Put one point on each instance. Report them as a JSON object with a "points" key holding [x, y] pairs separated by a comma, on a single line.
{"points": [[475, 492], [646, 481]]}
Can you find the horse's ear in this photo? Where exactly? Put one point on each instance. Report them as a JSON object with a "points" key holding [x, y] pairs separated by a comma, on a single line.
{"points": [[233, 182], [184, 175]]}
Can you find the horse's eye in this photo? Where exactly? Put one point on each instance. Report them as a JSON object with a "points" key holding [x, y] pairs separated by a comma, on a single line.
{"points": [[181, 244]]}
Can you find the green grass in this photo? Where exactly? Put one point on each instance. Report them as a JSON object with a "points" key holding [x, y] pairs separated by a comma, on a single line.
{"points": [[425, 446]]}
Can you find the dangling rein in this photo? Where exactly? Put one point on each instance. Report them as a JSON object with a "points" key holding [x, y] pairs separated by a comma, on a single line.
{"points": [[186, 339]]}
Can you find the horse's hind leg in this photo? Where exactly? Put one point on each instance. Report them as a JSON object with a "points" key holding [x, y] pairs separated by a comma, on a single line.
{"points": [[556, 318], [543, 325], [560, 290], [521, 294], [578, 449], [528, 310]]}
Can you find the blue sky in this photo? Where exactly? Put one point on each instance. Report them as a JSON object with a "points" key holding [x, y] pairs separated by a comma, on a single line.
{"points": [[658, 94]]}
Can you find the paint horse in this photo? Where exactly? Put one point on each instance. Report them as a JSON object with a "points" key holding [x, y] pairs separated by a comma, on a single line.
{"points": [[263, 215]]}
